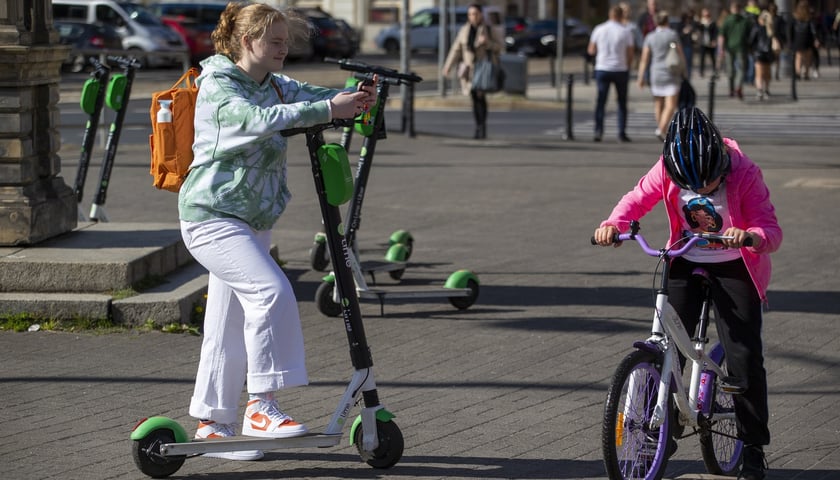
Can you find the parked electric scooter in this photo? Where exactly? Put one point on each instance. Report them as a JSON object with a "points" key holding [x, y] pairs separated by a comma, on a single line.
{"points": [[400, 243], [161, 445], [461, 288], [91, 102], [116, 97]]}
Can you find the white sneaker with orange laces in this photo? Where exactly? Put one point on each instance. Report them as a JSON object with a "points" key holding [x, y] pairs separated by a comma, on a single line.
{"points": [[212, 429], [263, 418]]}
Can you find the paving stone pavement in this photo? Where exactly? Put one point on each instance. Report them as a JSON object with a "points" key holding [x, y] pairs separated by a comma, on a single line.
{"points": [[512, 387]]}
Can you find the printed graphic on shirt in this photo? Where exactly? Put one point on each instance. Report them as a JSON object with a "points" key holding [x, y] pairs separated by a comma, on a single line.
{"points": [[702, 217]]}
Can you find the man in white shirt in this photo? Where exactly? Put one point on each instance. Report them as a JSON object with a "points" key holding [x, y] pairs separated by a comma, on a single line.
{"points": [[612, 46]]}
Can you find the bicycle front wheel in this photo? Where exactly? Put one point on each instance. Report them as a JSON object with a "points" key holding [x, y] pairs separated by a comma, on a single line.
{"points": [[719, 440], [631, 448]]}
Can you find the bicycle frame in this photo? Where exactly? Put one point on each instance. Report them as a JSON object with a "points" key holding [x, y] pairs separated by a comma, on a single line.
{"points": [[669, 337]]}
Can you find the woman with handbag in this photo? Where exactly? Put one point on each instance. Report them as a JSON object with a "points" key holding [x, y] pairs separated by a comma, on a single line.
{"points": [[475, 42], [663, 53], [762, 45]]}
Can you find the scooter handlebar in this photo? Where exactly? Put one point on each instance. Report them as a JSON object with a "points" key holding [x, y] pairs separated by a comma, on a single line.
{"points": [[362, 67], [336, 123]]}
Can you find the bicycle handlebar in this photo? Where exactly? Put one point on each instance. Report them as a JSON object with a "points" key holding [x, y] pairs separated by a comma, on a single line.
{"points": [[692, 241], [335, 123], [357, 66]]}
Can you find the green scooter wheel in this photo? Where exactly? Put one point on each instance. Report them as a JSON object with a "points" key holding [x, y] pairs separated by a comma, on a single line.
{"points": [[319, 258], [398, 252], [147, 457], [324, 300], [403, 237], [463, 279], [390, 449]]}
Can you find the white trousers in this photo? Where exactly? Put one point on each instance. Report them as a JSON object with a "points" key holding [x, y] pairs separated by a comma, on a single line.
{"points": [[252, 327]]}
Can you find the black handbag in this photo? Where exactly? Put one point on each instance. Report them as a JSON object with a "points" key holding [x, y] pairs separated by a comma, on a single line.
{"points": [[487, 75]]}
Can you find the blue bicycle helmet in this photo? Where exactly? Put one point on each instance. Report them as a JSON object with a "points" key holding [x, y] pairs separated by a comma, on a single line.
{"points": [[694, 154]]}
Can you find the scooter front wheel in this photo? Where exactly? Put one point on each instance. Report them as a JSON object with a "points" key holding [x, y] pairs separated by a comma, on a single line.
{"points": [[147, 456], [390, 448], [324, 300], [319, 257]]}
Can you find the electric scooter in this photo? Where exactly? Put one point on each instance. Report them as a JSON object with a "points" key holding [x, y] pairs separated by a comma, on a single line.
{"points": [[161, 445], [400, 243], [119, 91], [461, 288], [91, 102]]}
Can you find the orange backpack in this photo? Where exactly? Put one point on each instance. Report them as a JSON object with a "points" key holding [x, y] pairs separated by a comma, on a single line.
{"points": [[171, 142]]}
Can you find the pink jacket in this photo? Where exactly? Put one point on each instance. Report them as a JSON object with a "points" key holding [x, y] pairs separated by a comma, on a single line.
{"points": [[749, 208]]}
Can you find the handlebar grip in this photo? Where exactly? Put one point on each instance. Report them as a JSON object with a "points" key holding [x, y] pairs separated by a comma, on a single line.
{"points": [[748, 242]]}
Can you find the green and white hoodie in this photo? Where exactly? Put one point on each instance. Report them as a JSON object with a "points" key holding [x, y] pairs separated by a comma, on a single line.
{"points": [[239, 169]]}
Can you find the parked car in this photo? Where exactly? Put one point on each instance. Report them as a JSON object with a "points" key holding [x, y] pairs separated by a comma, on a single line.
{"points": [[424, 29], [539, 38], [514, 25], [140, 30], [329, 39], [354, 35], [194, 22], [85, 39]]}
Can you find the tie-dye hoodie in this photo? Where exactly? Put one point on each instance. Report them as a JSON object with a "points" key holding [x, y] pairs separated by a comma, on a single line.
{"points": [[239, 170]]}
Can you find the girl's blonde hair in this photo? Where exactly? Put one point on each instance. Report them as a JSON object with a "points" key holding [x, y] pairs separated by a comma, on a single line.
{"points": [[252, 20]]}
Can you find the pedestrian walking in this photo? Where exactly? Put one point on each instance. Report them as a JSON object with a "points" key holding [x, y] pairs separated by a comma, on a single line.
{"points": [[474, 41], [733, 47], [803, 39], [612, 45], [665, 81], [235, 191], [761, 44], [708, 34]]}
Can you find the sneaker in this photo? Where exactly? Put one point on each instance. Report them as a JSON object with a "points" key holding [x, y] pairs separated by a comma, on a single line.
{"points": [[210, 429], [264, 419], [755, 465], [659, 135]]}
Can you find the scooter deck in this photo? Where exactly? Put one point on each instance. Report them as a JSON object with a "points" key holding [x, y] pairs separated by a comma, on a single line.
{"points": [[381, 266], [214, 445], [413, 292]]}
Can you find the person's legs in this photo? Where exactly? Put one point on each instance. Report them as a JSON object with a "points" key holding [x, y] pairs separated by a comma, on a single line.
{"points": [[658, 106], [268, 332], [603, 84], [669, 106], [729, 57], [740, 70], [621, 80]]}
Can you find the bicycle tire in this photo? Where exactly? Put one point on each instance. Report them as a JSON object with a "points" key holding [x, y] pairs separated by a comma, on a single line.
{"points": [[719, 444], [631, 449]]}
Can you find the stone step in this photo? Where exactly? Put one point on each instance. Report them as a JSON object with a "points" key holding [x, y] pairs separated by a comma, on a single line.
{"points": [[94, 258], [79, 274], [172, 301]]}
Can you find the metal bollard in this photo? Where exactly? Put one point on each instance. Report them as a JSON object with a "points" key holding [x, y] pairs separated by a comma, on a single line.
{"points": [[569, 83], [793, 76], [407, 125], [711, 111]]}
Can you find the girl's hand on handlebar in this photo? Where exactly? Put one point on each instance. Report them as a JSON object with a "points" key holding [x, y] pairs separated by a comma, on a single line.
{"points": [[738, 238], [348, 104], [605, 236], [370, 90]]}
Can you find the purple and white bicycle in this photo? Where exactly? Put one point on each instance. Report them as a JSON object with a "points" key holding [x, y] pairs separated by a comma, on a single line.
{"points": [[649, 405]]}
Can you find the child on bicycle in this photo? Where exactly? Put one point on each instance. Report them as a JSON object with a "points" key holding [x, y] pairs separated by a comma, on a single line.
{"points": [[709, 185]]}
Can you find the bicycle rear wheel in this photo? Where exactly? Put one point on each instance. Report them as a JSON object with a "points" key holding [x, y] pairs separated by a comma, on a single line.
{"points": [[719, 441], [631, 448]]}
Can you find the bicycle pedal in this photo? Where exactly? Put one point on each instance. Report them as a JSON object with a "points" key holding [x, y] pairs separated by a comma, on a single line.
{"points": [[732, 385]]}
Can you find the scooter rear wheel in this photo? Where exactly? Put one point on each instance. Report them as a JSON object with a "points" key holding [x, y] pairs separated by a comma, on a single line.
{"points": [[147, 457], [463, 303], [390, 448]]}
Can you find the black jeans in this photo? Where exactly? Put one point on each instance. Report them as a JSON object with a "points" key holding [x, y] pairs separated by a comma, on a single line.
{"points": [[604, 79], [711, 53], [739, 319]]}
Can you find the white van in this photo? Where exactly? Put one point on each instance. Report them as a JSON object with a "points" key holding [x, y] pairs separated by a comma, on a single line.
{"points": [[424, 28], [139, 29]]}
